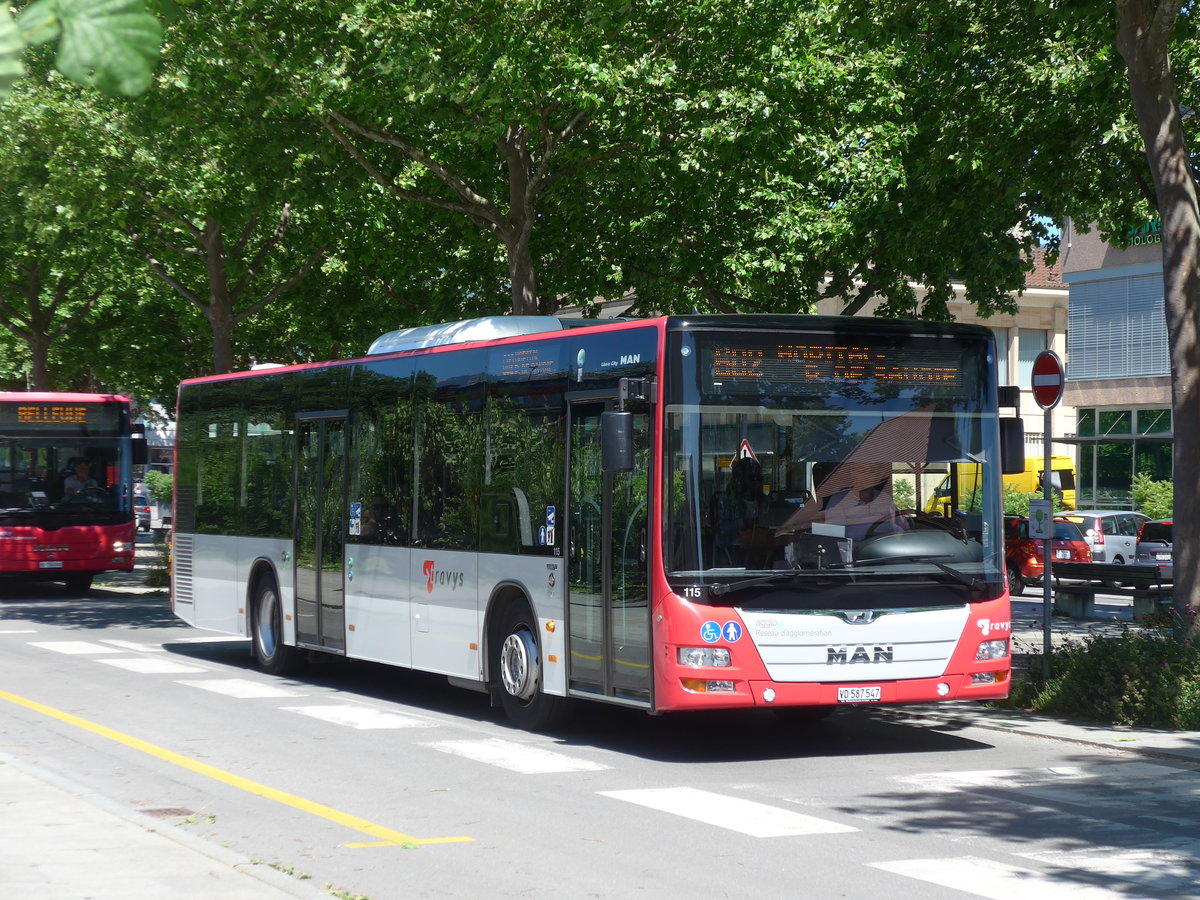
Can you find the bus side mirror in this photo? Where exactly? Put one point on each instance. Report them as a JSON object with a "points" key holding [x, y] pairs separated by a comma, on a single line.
{"points": [[1012, 446], [139, 450], [616, 441]]}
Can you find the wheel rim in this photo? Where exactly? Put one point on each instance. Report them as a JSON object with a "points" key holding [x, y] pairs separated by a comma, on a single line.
{"points": [[519, 666], [268, 633]]}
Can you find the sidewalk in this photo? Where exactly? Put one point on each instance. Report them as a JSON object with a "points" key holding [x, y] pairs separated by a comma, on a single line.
{"points": [[59, 841]]}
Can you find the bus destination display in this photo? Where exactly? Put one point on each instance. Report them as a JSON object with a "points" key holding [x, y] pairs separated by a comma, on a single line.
{"points": [[797, 362], [72, 417]]}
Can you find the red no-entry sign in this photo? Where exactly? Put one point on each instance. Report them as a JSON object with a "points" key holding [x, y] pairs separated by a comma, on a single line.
{"points": [[1048, 377]]}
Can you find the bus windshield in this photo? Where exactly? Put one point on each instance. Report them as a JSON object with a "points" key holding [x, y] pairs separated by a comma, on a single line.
{"points": [[811, 463], [51, 482]]}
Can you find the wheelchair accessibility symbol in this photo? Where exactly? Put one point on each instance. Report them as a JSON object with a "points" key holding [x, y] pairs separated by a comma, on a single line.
{"points": [[710, 632]]}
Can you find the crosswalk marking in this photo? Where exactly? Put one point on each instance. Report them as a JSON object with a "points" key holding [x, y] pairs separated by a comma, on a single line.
{"points": [[18, 631], [735, 814], [131, 645], [996, 880], [1166, 870], [526, 759], [243, 688], [151, 666], [364, 718], [73, 647]]}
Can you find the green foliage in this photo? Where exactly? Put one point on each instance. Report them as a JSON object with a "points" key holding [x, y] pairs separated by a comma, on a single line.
{"points": [[904, 493], [1154, 498], [162, 486], [111, 45], [1016, 502], [1142, 679]]}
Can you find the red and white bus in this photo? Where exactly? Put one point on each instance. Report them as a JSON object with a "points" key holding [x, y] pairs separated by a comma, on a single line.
{"points": [[66, 504], [680, 513]]}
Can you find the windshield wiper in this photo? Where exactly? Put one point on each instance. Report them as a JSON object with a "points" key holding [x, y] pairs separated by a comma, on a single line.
{"points": [[719, 590], [962, 577]]}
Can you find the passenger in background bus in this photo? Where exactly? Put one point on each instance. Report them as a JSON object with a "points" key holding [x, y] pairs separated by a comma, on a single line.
{"points": [[80, 480]]}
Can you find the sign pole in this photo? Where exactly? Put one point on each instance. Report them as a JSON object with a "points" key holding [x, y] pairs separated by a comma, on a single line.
{"points": [[1048, 498], [1049, 374]]}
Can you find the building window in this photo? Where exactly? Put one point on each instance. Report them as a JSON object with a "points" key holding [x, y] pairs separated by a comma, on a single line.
{"points": [[1085, 422], [1153, 421], [1115, 421], [1029, 344], [1116, 328]]}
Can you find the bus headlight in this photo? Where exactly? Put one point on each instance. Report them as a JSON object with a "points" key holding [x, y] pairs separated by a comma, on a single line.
{"points": [[992, 650], [121, 547], [702, 657]]}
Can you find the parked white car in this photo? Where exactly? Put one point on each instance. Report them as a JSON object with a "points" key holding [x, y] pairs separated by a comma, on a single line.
{"points": [[1112, 534]]}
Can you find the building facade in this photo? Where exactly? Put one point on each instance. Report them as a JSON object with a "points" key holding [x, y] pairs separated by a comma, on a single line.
{"points": [[1118, 362]]}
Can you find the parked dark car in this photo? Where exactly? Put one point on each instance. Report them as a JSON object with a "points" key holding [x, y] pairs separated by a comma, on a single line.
{"points": [[1023, 554], [1156, 548]]}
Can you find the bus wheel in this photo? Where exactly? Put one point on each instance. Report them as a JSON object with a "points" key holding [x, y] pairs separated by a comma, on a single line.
{"points": [[517, 672], [272, 654], [78, 585]]}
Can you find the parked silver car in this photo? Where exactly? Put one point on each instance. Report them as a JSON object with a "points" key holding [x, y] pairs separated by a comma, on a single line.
{"points": [[1112, 534], [1155, 547]]}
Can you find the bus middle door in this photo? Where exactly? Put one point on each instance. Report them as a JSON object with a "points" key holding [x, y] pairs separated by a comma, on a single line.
{"points": [[320, 538]]}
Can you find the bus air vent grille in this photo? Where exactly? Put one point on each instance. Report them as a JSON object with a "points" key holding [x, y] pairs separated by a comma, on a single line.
{"points": [[182, 566]]}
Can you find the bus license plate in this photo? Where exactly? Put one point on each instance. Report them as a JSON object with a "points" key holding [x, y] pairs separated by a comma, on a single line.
{"points": [[859, 694], [50, 564]]}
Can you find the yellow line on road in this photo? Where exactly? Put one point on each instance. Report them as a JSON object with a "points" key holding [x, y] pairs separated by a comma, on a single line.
{"points": [[387, 837]]}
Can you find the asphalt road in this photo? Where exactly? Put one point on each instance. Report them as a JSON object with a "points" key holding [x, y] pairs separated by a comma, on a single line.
{"points": [[385, 784]]}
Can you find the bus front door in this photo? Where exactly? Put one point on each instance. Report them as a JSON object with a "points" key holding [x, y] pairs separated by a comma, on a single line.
{"points": [[608, 595], [320, 541]]}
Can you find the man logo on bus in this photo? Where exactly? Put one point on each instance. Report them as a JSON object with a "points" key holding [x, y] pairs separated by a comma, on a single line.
{"points": [[441, 576], [842, 655]]}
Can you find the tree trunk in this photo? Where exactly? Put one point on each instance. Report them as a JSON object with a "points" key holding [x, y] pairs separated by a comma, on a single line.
{"points": [[1144, 31], [39, 362], [219, 310]]}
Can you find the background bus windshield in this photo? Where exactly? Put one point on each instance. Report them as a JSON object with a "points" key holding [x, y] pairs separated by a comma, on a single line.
{"points": [[60, 464], [814, 456]]}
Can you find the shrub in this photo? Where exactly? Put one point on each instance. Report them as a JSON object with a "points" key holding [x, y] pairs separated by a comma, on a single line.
{"points": [[1142, 679], [1154, 498]]}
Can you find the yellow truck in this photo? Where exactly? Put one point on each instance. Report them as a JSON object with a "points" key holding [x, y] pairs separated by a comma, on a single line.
{"points": [[1062, 483]]}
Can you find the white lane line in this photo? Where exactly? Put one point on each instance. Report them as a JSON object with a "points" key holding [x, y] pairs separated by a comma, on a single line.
{"points": [[18, 631], [516, 757], [244, 688], [221, 639], [996, 880], [735, 814], [361, 717], [152, 666], [132, 645], [73, 647]]}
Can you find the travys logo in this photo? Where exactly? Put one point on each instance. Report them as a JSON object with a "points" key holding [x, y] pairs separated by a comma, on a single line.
{"points": [[441, 577], [987, 626]]}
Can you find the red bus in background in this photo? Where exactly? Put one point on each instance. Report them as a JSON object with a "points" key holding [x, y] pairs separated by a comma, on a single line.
{"points": [[66, 499], [683, 513]]}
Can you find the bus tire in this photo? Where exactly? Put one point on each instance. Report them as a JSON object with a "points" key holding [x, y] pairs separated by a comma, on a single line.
{"points": [[517, 673], [79, 584], [272, 655]]}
